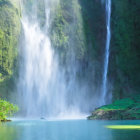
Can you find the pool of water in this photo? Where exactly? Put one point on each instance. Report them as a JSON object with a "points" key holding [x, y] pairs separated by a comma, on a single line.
{"points": [[66, 130]]}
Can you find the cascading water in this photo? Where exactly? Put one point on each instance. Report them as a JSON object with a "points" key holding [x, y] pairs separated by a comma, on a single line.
{"points": [[43, 87], [46, 88], [106, 59], [38, 62]]}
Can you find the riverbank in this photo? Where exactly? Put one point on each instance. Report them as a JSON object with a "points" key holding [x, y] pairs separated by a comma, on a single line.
{"points": [[124, 109]]}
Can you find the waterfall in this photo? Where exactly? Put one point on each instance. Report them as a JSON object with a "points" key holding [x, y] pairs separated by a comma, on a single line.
{"points": [[44, 88], [38, 63], [47, 87], [106, 59]]}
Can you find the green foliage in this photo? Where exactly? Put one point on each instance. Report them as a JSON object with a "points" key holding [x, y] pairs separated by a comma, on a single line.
{"points": [[6, 109], [9, 32]]}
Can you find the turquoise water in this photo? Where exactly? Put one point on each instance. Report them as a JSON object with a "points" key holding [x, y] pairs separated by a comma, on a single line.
{"points": [[66, 130]]}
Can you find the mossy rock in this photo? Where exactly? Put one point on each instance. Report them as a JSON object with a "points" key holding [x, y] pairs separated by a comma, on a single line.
{"points": [[124, 109]]}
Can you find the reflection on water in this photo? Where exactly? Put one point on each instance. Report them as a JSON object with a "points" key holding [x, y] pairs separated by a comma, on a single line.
{"points": [[66, 130], [7, 132]]}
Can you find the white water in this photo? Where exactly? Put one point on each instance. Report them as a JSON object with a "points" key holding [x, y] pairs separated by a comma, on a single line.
{"points": [[43, 87], [106, 59]]}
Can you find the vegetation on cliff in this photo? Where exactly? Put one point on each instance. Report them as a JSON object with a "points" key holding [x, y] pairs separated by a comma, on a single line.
{"points": [[67, 32], [124, 61], [9, 34]]}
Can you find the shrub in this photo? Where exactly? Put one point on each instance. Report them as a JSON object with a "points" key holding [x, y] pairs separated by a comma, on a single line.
{"points": [[6, 109]]}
